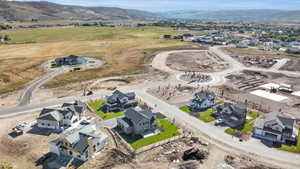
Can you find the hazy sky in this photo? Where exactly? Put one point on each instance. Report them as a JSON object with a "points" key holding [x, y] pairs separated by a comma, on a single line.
{"points": [[168, 5]]}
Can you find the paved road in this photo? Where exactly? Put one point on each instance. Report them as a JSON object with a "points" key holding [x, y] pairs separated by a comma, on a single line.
{"points": [[217, 135], [214, 133], [26, 96], [279, 64]]}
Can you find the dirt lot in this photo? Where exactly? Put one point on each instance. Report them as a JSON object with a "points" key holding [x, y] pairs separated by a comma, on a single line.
{"points": [[21, 152], [28, 148], [292, 65], [195, 61], [174, 94], [263, 59]]}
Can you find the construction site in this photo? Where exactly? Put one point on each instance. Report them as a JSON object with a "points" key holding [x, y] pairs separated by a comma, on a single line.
{"points": [[188, 152], [174, 94], [199, 61], [195, 77], [246, 80], [265, 61]]}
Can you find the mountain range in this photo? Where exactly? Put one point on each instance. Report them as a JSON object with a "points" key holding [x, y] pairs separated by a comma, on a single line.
{"points": [[42, 10], [258, 15]]}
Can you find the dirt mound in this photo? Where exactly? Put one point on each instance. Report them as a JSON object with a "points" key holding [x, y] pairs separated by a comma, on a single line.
{"points": [[116, 157]]}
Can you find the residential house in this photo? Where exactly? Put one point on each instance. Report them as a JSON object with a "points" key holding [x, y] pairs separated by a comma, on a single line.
{"points": [[70, 60], [83, 142], [276, 128], [58, 119], [137, 122], [233, 115], [202, 101], [119, 101]]}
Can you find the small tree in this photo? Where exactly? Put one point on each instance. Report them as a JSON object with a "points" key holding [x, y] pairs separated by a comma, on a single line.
{"points": [[6, 38]]}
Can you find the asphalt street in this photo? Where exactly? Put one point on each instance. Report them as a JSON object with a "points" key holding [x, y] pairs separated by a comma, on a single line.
{"points": [[253, 146]]}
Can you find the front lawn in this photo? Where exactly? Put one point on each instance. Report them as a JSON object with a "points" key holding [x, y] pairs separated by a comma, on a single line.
{"points": [[293, 149], [248, 126], [185, 109], [96, 106], [169, 130], [206, 116], [55, 66]]}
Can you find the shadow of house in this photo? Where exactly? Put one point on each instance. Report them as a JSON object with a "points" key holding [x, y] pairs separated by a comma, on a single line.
{"points": [[202, 101], [232, 115], [119, 101], [42, 131]]}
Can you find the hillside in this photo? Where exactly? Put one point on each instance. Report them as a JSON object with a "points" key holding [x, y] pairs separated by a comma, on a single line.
{"points": [[276, 16], [26, 11]]}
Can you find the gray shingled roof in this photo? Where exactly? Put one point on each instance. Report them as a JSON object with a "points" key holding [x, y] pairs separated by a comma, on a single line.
{"points": [[280, 119], [79, 135], [117, 95], [136, 114], [50, 114], [204, 94], [57, 114]]}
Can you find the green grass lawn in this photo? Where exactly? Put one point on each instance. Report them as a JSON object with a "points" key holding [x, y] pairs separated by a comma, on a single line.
{"points": [[206, 116], [248, 126], [185, 109], [169, 130], [55, 67], [105, 116], [293, 149]]}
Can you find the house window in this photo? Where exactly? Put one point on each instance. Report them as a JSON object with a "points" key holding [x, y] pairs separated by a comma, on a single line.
{"points": [[48, 124], [43, 124]]}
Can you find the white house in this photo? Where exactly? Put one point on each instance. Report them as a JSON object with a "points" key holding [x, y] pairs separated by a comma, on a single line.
{"points": [[275, 128], [58, 119], [82, 142]]}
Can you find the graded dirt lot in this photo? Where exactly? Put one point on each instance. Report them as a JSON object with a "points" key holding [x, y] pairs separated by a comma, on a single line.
{"points": [[124, 50], [263, 59], [292, 65], [21, 152], [195, 61]]}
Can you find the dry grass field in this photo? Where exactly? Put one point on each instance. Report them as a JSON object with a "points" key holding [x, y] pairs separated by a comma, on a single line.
{"points": [[123, 49]]}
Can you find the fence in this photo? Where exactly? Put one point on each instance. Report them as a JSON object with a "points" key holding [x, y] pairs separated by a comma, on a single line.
{"points": [[124, 142]]}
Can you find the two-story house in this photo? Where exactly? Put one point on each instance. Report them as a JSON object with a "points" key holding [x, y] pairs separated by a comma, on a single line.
{"points": [[119, 101], [59, 119], [83, 142], [233, 115], [202, 100], [276, 128], [137, 122]]}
